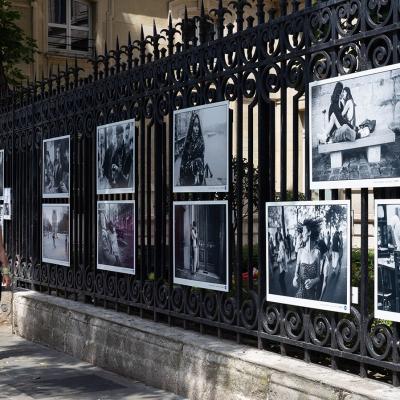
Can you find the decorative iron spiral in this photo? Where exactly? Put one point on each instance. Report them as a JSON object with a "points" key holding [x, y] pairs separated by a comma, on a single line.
{"points": [[99, 283], [148, 292], [348, 17], [135, 289], [349, 57], [348, 332], [228, 309], [210, 306], [249, 311], [320, 329], [379, 340], [380, 50], [192, 301], [177, 297], [294, 325], [122, 288], [321, 65], [162, 295], [270, 318]]}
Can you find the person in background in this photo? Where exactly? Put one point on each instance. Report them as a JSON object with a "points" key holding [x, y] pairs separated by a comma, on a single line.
{"points": [[282, 263], [5, 271]]}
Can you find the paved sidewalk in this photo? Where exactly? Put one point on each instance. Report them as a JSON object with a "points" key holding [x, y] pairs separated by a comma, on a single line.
{"points": [[31, 371]]}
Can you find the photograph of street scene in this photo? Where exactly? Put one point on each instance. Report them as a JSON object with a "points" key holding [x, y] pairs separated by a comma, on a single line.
{"points": [[55, 234], [116, 236], [201, 137], [354, 130], [200, 247], [387, 259], [308, 254], [115, 157], [56, 167]]}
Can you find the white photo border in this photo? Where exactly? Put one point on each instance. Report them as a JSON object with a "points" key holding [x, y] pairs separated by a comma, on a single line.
{"points": [[315, 304], [350, 183], [204, 285], [387, 315], [57, 195], [117, 190], [204, 189], [2, 167], [51, 260], [113, 268]]}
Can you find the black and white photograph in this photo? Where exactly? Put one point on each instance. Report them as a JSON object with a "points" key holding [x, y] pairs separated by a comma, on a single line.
{"points": [[7, 204], [55, 234], [201, 148], [1, 174], [355, 130], [201, 244], [116, 157], [56, 167], [387, 259], [116, 236], [308, 254]]}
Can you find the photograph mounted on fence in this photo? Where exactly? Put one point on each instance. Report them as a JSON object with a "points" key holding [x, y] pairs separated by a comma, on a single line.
{"points": [[308, 254], [116, 236], [201, 148], [56, 167], [116, 157], [387, 259], [354, 130], [201, 244], [1, 174], [55, 234], [7, 204]]}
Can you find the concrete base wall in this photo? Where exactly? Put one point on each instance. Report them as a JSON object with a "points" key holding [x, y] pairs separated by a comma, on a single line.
{"points": [[187, 363], [5, 306]]}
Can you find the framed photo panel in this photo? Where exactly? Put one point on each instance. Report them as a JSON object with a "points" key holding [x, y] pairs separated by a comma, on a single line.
{"points": [[7, 203], [354, 130], [201, 244], [308, 254], [115, 160], [387, 260], [1, 174], [56, 167], [201, 148], [56, 234], [116, 236]]}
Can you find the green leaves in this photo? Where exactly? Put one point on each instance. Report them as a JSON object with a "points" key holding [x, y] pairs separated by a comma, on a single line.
{"points": [[15, 47]]}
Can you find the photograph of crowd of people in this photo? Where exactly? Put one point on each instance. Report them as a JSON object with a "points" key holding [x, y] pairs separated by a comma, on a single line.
{"points": [[1, 174], [7, 204], [354, 130], [56, 167], [201, 147], [55, 234], [308, 254], [200, 244], [387, 259], [116, 157], [116, 236]]}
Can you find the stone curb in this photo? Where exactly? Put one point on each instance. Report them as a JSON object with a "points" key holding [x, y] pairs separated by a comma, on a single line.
{"points": [[180, 361]]}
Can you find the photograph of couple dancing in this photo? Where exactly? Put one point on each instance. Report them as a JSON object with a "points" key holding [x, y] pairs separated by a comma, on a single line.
{"points": [[307, 254], [354, 126]]}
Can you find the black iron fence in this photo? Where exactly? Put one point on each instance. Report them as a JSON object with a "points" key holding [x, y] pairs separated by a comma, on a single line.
{"points": [[259, 58]]}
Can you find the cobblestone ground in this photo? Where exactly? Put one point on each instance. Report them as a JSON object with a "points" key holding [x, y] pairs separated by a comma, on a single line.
{"points": [[29, 371], [356, 166]]}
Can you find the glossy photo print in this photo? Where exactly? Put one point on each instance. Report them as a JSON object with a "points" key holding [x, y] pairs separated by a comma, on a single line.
{"points": [[201, 148], [116, 236], [308, 254], [201, 244], [55, 234], [56, 167], [116, 158], [355, 130], [387, 259]]}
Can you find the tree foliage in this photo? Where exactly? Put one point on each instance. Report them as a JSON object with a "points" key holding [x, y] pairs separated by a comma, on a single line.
{"points": [[15, 47]]}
